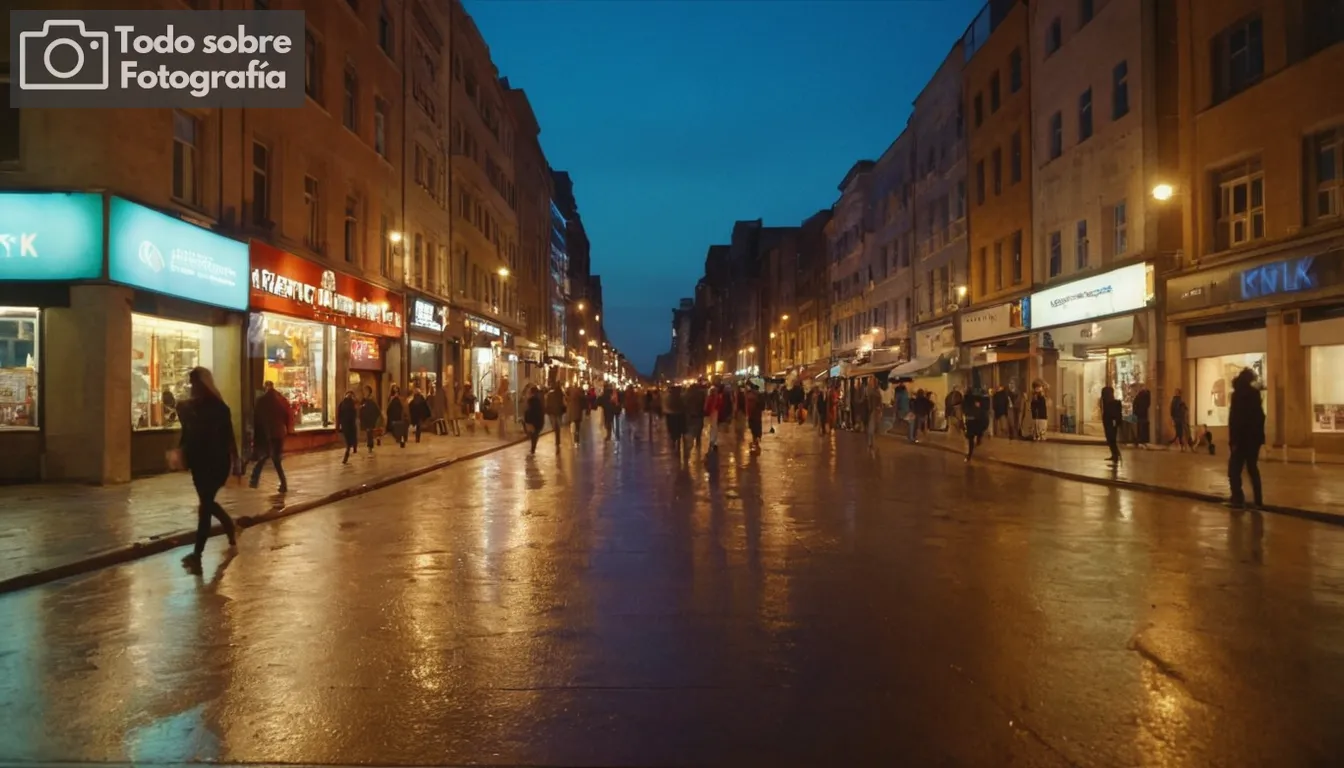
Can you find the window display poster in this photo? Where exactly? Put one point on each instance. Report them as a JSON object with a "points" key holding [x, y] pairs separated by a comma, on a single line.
{"points": [[164, 254], [1213, 385], [51, 236], [1327, 388], [365, 354]]}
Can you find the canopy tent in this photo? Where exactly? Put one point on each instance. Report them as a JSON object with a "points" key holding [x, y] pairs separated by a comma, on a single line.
{"points": [[920, 366]]}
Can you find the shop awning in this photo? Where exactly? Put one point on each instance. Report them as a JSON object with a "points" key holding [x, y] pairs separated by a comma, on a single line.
{"points": [[917, 367], [871, 369], [808, 372]]}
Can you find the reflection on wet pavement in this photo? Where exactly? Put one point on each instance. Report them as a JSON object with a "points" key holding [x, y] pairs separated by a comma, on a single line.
{"points": [[812, 605]]}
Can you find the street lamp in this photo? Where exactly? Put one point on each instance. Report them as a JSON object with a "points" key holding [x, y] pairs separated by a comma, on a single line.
{"points": [[503, 271], [394, 237], [582, 332], [1163, 192], [961, 291], [581, 307], [597, 318]]}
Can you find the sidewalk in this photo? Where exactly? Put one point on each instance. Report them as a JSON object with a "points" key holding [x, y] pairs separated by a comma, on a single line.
{"points": [[1303, 490], [49, 532]]}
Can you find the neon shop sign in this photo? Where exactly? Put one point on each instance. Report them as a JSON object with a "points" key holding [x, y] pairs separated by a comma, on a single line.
{"points": [[1288, 276]]}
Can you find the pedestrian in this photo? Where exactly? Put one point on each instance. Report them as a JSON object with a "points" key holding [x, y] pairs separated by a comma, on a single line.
{"points": [[651, 403], [468, 406], [1112, 413], [369, 416], [1143, 403], [952, 405], [713, 414], [873, 398], [418, 410], [916, 417], [271, 422], [347, 421], [396, 416], [999, 407], [739, 410], [674, 413], [439, 405], [534, 416], [975, 410], [208, 450], [695, 399], [1245, 436], [576, 406], [1014, 414], [504, 407], [1180, 422], [555, 409], [754, 406], [634, 407], [1039, 410], [609, 405]]}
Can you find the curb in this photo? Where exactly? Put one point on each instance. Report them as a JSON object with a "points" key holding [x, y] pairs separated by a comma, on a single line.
{"points": [[1313, 515], [158, 544]]}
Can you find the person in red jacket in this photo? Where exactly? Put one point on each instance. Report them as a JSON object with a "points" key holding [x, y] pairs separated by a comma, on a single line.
{"points": [[271, 421], [714, 406]]}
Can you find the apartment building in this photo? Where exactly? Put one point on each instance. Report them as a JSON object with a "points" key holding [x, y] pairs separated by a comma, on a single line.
{"points": [[1103, 99], [813, 289], [847, 237], [997, 86], [533, 184], [259, 195], [892, 248], [1259, 186]]}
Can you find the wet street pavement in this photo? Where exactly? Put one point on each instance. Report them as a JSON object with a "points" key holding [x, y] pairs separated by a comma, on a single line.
{"points": [[811, 605]]}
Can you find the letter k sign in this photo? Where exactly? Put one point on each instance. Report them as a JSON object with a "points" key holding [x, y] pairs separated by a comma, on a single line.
{"points": [[26, 245]]}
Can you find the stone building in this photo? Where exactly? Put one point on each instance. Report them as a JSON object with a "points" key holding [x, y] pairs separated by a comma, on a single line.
{"points": [[847, 237], [892, 248], [1258, 185]]}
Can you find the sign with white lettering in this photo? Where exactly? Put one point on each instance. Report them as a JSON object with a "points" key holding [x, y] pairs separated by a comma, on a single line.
{"points": [[1110, 293], [51, 236], [165, 254], [935, 341], [289, 285], [483, 326], [428, 315], [987, 323]]}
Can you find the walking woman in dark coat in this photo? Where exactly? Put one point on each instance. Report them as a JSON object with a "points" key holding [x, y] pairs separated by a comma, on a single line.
{"points": [[347, 421], [1245, 436], [369, 416], [534, 416], [210, 451]]}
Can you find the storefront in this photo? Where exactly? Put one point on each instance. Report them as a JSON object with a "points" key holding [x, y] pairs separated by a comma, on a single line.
{"points": [[1093, 333], [47, 241], [934, 366], [487, 366], [425, 326], [316, 333], [997, 346], [1281, 316]]}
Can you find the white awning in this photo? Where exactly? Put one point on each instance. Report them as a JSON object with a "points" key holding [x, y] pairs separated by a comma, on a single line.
{"points": [[914, 367]]}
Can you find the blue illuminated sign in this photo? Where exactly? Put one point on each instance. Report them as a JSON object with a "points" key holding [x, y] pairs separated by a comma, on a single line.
{"points": [[160, 253], [51, 236], [1285, 276]]}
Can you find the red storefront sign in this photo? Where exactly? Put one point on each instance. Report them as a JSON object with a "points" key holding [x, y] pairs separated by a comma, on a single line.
{"points": [[290, 285], [365, 354]]}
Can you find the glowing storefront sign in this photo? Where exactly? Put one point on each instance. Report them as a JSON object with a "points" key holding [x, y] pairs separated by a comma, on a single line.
{"points": [[51, 236], [1287, 276], [1110, 293], [428, 315], [290, 285]]}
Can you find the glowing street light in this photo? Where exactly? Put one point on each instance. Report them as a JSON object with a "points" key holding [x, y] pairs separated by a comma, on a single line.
{"points": [[582, 332], [961, 291], [597, 318], [1163, 192], [785, 318], [395, 237], [503, 271], [875, 330]]}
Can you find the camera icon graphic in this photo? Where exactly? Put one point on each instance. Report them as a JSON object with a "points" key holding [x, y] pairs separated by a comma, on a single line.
{"points": [[64, 56]]}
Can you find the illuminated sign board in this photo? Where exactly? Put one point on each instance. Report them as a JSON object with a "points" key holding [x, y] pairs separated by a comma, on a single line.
{"points": [[1110, 293], [165, 254], [483, 326], [365, 354], [1287, 276], [428, 315], [51, 236], [287, 284]]}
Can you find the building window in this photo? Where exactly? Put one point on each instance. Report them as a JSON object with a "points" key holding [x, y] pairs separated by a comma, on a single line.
{"points": [[1015, 71], [312, 67], [998, 265], [380, 127], [1239, 205], [1056, 254], [261, 184], [996, 160], [994, 92], [1213, 385], [1238, 58], [1054, 36], [186, 159], [959, 204], [384, 246], [1015, 158], [1327, 388], [1017, 257], [386, 32], [1325, 155], [1086, 10], [418, 261], [978, 109], [1056, 135], [1120, 90], [979, 182], [351, 231], [312, 210], [20, 359], [163, 352], [1325, 25], [301, 363], [1085, 116], [982, 271], [1080, 246], [9, 127], [1120, 219], [350, 102]]}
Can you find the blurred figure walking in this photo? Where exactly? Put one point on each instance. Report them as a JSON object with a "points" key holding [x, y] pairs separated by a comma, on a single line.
{"points": [[271, 422], [209, 451], [1245, 436]]}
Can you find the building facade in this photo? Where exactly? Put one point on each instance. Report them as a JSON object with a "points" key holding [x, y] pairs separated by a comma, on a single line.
{"points": [[847, 238], [1102, 78], [892, 249], [995, 340], [1259, 188]]}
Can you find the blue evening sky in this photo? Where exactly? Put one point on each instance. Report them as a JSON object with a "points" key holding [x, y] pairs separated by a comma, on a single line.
{"points": [[676, 118]]}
